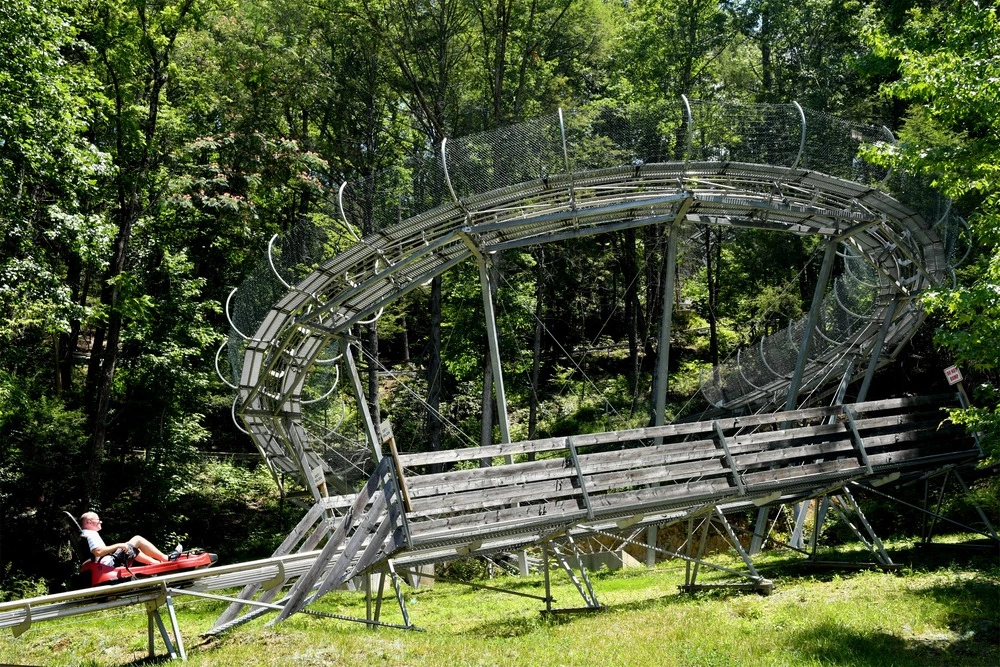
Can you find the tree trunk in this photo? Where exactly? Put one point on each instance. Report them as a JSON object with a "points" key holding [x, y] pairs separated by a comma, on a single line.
{"points": [[434, 426], [713, 330], [630, 276], [373, 365], [486, 430], [536, 345]]}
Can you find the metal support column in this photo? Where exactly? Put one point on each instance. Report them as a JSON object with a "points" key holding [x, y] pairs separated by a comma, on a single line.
{"points": [[735, 541], [979, 509], [663, 349], [826, 270], [876, 351], [759, 530], [492, 338], [399, 595], [864, 521], [545, 573], [371, 431], [666, 319], [177, 630]]}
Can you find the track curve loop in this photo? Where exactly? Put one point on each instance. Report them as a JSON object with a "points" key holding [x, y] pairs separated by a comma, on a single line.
{"points": [[773, 167]]}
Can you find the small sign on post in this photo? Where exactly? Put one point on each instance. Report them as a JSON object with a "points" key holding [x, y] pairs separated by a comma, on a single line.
{"points": [[955, 377]]}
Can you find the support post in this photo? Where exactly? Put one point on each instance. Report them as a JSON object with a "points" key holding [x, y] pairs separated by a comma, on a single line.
{"points": [[545, 573], [979, 509], [666, 321], [876, 351], [864, 521], [492, 338], [651, 533], [378, 598], [759, 530], [807, 335], [735, 541], [801, 512], [399, 595], [177, 630], [663, 348], [359, 395]]}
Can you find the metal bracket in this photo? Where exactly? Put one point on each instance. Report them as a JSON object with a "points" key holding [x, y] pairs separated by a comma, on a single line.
{"points": [[579, 476], [23, 626], [730, 462]]}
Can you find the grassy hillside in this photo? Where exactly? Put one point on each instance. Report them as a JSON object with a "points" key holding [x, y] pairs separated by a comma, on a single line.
{"points": [[936, 611]]}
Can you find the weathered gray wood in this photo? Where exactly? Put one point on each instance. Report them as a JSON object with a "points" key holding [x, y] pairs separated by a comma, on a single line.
{"points": [[850, 466], [659, 475], [648, 433], [376, 540], [803, 435], [569, 510], [829, 449], [305, 524], [505, 488], [306, 582], [522, 473]]}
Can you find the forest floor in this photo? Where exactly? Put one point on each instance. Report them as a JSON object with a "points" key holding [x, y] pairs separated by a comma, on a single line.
{"points": [[940, 608]]}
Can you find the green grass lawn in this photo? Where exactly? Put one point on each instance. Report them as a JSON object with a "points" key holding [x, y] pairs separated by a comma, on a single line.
{"points": [[935, 611]]}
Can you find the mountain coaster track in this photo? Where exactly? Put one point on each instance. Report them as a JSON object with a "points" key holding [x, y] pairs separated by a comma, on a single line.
{"points": [[777, 168]]}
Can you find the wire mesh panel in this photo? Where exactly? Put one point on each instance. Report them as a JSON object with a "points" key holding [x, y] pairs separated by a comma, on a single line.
{"points": [[625, 136], [504, 157], [760, 134], [833, 146], [849, 317]]}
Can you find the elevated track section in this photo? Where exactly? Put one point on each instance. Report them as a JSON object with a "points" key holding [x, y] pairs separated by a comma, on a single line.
{"points": [[778, 168]]}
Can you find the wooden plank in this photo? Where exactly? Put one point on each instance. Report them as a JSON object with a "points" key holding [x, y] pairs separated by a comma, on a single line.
{"points": [[818, 432], [503, 484], [847, 467], [484, 478], [495, 497], [506, 488], [649, 433], [748, 462], [644, 476], [520, 473], [565, 488], [554, 513]]}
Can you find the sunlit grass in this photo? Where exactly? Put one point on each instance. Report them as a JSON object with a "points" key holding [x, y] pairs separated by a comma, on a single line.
{"points": [[934, 611]]}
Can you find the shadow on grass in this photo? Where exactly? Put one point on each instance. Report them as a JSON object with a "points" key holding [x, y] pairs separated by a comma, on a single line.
{"points": [[973, 608], [535, 620], [832, 644], [842, 563]]}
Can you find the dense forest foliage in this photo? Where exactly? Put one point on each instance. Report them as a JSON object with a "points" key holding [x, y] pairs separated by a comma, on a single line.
{"points": [[149, 149]]}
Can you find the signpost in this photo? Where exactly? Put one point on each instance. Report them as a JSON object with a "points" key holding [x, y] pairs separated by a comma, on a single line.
{"points": [[954, 377]]}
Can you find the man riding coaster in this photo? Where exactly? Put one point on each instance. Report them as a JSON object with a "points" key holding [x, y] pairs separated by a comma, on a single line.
{"points": [[137, 549]]}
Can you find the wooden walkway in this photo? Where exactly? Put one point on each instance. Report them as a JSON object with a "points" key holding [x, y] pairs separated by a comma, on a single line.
{"points": [[645, 473], [438, 506]]}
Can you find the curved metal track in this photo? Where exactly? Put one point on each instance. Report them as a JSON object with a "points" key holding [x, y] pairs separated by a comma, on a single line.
{"points": [[897, 250]]}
